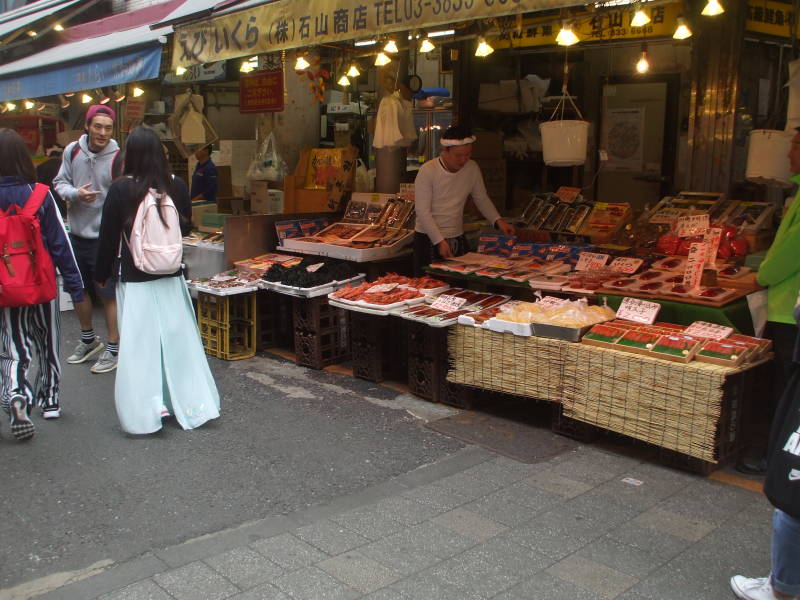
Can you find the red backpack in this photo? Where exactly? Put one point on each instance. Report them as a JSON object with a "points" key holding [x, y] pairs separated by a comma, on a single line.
{"points": [[27, 275]]}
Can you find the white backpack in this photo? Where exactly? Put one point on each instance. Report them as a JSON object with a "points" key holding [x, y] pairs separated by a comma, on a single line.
{"points": [[156, 248]]}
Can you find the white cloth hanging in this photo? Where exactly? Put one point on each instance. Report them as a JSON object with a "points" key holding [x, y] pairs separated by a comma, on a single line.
{"points": [[394, 124]]}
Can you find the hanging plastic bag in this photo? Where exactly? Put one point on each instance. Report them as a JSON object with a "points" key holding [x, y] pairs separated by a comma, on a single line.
{"points": [[267, 165], [362, 181]]}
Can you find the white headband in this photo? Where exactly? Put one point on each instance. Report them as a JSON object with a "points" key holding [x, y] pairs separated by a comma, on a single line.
{"points": [[450, 142]]}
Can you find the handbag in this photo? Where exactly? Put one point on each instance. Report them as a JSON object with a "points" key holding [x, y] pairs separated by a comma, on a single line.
{"points": [[782, 483]]}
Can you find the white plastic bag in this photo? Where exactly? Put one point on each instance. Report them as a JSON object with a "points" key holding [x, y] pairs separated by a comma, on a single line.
{"points": [[267, 165], [363, 182]]}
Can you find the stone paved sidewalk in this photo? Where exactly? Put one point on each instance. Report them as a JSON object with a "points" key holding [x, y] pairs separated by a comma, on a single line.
{"points": [[476, 526]]}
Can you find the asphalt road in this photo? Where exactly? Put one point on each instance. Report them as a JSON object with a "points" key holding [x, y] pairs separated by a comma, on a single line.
{"points": [[82, 491]]}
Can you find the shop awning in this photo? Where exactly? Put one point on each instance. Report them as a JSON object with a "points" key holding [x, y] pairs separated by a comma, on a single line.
{"points": [[26, 15], [108, 60], [196, 9], [285, 24]]}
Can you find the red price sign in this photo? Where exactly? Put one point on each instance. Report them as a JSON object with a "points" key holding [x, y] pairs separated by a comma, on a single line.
{"points": [[638, 310], [261, 91], [591, 261], [695, 263], [625, 264]]}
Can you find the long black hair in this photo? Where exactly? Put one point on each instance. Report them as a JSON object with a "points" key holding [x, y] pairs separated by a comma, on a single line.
{"points": [[14, 157], [147, 165]]}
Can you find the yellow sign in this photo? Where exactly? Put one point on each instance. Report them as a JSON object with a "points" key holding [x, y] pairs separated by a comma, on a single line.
{"points": [[287, 24], [592, 27], [767, 16]]}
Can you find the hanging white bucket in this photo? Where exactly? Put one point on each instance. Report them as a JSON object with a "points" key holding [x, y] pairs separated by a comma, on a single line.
{"points": [[767, 161], [564, 142]]}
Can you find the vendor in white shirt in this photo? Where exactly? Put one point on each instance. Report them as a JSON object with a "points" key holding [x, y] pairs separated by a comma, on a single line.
{"points": [[441, 189]]}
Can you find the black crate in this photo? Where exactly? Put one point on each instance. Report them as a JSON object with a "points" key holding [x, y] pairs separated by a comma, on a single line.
{"points": [[378, 347], [428, 363], [572, 428], [274, 321], [321, 333]]}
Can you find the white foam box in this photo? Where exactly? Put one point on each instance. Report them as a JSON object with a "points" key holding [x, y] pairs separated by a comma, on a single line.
{"points": [[348, 253]]}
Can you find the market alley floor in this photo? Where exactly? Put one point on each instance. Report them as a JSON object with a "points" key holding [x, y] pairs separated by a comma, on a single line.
{"points": [[314, 485]]}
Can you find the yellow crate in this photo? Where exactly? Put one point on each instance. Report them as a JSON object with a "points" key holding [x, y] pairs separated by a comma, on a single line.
{"points": [[227, 325], [224, 310]]}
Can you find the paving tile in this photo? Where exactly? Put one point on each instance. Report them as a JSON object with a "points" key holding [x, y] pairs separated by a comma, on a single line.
{"points": [[369, 522], [557, 533], [401, 552], [383, 594], [469, 524], [265, 591], [545, 586], [553, 482], [666, 521], [624, 558], [408, 511], [330, 537], [469, 487], [534, 498], [432, 539], [642, 538], [592, 468], [288, 552], [436, 497], [311, 583], [359, 572], [146, 589], [429, 586], [500, 508], [497, 473], [491, 567], [195, 581], [244, 567], [592, 576], [694, 500], [515, 466]]}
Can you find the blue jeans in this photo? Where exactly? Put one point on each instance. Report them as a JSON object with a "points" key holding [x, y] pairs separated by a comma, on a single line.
{"points": [[785, 554]]}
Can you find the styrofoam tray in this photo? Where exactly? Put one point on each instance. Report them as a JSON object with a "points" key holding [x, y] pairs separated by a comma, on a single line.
{"points": [[312, 292], [225, 291], [697, 295], [362, 309], [388, 307], [501, 326], [431, 291], [570, 334]]}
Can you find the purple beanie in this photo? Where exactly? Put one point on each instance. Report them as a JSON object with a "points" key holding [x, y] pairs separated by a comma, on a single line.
{"points": [[100, 109]]}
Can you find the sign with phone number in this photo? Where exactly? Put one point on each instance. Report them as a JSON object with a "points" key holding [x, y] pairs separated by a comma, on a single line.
{"points": [[288, 24]]}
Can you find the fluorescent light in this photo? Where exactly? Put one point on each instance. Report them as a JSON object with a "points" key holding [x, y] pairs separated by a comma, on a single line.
{"points": [[682, 31], [391, 47], [441, 33], [643, 66], [58, 27], [426, 46], [343, 81], [382, 60], [137, 91], [566, 37], [180, 70], [483, 49], [713, 8], [353, 71], [301, 64], [365, 43]]}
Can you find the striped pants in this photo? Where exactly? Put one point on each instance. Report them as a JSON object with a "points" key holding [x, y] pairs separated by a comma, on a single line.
{"points": [[25, 331]]}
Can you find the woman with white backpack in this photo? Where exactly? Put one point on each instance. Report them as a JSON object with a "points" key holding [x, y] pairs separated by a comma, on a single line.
{"points": [[162, 367]]}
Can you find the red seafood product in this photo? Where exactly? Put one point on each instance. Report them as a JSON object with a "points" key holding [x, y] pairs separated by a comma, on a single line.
{"points": [[392, 297], [429, 312], [674, 346], [638, 340], [674, 279], [679, 289], [453, 314], [426, 283], [349, 292], [491, 301], [652, 287], [622, 283], [415, 309], [668, 263], [392, 278], [714, 293], [485, 315], [648, 275]]}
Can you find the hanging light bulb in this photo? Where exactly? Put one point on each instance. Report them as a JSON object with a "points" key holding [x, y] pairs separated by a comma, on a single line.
{"points": [[682, 31], [180, 70], [10, 106], [63, 101], [426, 45], [247, 67], [32, 33], [343, 81], [566, 37], [382, 60], [69, 94], [301, 64], [391, 47], [58, 27], [103, 97], [118, 96], [483, 49], [41, 106], [86, 98], [353, 71], [713, 8], [137, 91], [28, 104], [643, 66], [640, 17]]}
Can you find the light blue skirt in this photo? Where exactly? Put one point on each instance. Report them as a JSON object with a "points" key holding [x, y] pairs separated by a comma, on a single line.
{"points": [[161, 358]]}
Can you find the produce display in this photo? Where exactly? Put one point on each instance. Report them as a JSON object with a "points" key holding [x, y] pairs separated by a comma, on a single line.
{"points": [[310, 272], [234, 281], [260, 264]]}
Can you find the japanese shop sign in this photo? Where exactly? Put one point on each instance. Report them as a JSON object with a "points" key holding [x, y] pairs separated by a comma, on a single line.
{"points": [[770, 17], [695, 263], [591, 27], [261, 91], [288, 24], [637, 310]]}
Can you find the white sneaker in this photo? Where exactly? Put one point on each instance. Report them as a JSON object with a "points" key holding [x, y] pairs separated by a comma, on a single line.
{"points": [[51, 414], [107, 362], [84, 352], [752, 588]]}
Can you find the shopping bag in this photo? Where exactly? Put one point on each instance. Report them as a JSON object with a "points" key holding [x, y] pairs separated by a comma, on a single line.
{"points": [[362, 180], [267, 165], [782, 484]]}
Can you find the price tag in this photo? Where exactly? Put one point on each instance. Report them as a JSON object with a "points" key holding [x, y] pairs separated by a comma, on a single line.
{"points": [[638, 310], [695, 263], [712, 238], [407, 191], [448, 303], [591, 261], [666, 215], [315, 267], [381, 287], [711, 331], [551, 302], [626, 264], [568, 194], [691, 225]]}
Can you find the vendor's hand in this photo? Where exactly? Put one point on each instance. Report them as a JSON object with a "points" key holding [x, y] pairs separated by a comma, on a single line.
{"points": [[506, 227], [87, 195], [444, 249]]}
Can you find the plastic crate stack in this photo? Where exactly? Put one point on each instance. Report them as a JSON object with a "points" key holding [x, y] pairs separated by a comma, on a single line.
{"points": [[321, 332], [228, 325]]}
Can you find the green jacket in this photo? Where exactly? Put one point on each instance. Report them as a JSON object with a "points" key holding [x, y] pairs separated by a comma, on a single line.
{"points": [[780, 271]]}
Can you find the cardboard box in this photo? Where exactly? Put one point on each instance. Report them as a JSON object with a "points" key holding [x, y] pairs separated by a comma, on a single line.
{"points": [[494, 178], [199, 209], [507, 97], [265, 201], [488, 144], [233, 205]]}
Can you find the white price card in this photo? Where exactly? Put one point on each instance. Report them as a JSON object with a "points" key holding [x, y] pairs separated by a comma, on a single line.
{"points": [[315, 267], [711, 331], [691, 225], [381, 287], [591, 261], [695, 263], [448, 302], [625, 264], [711, 239], [551, 302], [666, 215], [638, 310]]}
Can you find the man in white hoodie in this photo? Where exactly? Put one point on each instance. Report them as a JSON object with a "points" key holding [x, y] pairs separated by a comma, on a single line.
{"points": [[86, 173]]}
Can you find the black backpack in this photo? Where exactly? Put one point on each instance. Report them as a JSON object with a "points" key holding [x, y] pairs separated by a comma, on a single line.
{"points": [[782, 485], [116, 163]]}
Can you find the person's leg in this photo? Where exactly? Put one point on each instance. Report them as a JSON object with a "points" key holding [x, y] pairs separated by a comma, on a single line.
{"points": [[785, 576], [89, 345], [46, 320], [17, 396], [110, 311]]}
